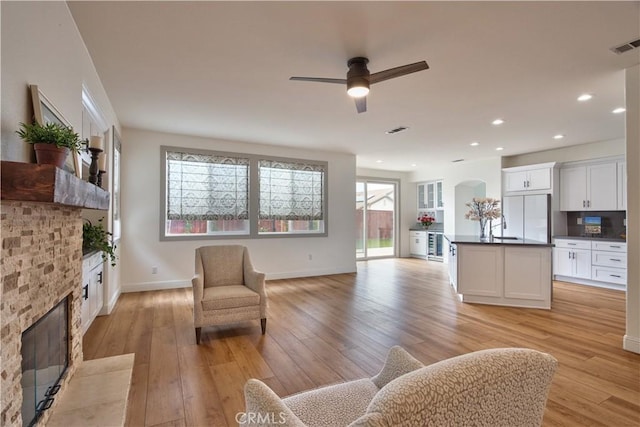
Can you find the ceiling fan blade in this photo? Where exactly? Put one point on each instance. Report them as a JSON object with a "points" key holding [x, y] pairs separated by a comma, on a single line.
{"points": [[392, 73], [361, 104], [319, 80]]}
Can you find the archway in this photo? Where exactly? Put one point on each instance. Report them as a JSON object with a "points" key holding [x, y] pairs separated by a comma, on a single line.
{"points": [[464, 192]]}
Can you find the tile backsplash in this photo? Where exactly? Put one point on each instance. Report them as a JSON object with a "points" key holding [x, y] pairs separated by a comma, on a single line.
{"points": [[612, 224]]}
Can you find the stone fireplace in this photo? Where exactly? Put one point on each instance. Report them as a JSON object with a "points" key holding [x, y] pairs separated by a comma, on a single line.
{"points": [[41, 264]]}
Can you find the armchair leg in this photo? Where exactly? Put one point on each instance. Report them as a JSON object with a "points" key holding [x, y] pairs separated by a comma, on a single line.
{"points": [[198, 330], [263, 325]]}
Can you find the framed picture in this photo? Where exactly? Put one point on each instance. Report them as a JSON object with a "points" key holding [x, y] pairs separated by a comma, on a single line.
{"points": [[45, 112]]}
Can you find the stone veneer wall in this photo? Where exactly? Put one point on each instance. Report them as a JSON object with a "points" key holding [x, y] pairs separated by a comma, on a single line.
{"points": [[41, 264]]}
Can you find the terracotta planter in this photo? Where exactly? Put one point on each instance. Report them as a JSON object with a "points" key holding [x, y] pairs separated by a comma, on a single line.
{"points": [[49, 154]]}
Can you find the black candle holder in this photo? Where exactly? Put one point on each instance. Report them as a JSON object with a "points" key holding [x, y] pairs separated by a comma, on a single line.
{"points": [[93, 168], [100, 173]]}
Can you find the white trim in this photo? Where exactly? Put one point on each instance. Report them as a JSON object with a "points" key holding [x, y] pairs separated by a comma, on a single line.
{"points": [[307, 273], [107, 309], [630, 343], [155, 286], [94, 110], [587, 282]]}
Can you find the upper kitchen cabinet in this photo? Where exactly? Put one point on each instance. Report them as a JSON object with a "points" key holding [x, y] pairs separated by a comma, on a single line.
{"points": [[430, 196], [622, 185], [589, 187], [532, 178]]}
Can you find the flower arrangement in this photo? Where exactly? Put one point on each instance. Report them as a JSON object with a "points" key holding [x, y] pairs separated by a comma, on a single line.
{"points": [[482, 209], [426, 220]]}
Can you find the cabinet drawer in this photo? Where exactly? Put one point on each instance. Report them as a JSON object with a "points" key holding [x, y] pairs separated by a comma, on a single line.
{"points": [[609, 246], [418, 234], [573, 244], [609, 259], [609, 274]]}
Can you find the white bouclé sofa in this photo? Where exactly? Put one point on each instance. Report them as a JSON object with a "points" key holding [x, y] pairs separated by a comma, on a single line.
{"points": [[496, 387]]}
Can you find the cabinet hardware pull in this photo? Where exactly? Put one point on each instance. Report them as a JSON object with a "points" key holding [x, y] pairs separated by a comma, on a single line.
{"points": [[614, 259], [612, 246], [614, 275], [588, 203], [85, 292], [584, 204], [571, 244], [100, 279]]}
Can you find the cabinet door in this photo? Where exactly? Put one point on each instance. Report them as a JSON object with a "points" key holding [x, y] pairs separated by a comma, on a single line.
{"points": [[601, 184], [431, 195], [573, 189], [515, 181], [439, 202], [622, 186], [582, 263], [453, 266], [422, 196], [481, 271], [562, 262], [539, 179]]}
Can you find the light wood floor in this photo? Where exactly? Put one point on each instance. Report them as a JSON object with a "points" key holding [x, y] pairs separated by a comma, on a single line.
{"points": [[327, 329]]}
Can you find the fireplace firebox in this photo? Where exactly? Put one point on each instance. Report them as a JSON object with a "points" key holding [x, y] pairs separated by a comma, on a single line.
{"points": [[45, 359]]}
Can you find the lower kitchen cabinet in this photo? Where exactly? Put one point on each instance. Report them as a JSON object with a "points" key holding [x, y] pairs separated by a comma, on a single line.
{"points": [[418, 244], [591, 262]]}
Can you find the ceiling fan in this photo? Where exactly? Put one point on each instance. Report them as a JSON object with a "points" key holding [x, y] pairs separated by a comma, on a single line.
{"points": [[358, 78]]}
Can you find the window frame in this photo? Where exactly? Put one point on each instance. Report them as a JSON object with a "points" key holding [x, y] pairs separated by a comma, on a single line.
{"points": [[254, 197]]}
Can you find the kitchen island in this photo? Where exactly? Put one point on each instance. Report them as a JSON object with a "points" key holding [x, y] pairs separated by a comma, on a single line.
{"points": [[509, 272]]}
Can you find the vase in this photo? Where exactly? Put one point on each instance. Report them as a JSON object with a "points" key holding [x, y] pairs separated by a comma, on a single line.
{"points": [[425, 226], [483, 226]]}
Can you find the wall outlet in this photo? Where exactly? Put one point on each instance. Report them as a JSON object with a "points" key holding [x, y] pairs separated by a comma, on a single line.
{"points": [[579, 221], [310, 257], [154, 270]]}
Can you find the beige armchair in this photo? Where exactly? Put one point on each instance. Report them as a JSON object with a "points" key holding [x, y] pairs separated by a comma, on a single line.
{"points": [[226, 288], [497, 387]]}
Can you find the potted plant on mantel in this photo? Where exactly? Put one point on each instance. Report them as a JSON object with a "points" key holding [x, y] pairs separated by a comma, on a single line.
{"points": [[52, 142], [96, 238]]}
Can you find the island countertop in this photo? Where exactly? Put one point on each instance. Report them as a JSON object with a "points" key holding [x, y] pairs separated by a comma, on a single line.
{"points": [[475, 240]]}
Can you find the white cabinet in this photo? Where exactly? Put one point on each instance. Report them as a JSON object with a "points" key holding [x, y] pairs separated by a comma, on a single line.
{"points": [[453, 266], [537, 179], [622, 185], [591, 262], [592, 187], [430, 196], [480, 271], [92, 288], [418, 244]]}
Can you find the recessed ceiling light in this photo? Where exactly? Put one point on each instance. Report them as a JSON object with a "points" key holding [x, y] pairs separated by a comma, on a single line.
{"points": [[558, 136], [499, 148], [413, 165], [619, 110], [585, 97], [474, 144], [497, 122], [378, 161]]}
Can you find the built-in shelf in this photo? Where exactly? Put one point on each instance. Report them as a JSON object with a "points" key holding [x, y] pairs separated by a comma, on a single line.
{"points": [[29, 182]]}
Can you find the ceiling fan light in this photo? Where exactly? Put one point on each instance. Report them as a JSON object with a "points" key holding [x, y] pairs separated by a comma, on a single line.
{"points": [[358, 87]]}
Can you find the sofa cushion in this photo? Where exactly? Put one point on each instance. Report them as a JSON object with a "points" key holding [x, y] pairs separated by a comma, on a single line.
{"points": [[335, 405], [221, 297]]}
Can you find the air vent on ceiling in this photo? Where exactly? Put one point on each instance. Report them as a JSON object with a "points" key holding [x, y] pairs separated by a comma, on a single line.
{"points": [[457, 160], [396, 130], [626, 46]]}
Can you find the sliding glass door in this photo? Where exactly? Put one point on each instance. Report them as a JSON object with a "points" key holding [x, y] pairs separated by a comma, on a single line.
{"points": [[376, 207]]}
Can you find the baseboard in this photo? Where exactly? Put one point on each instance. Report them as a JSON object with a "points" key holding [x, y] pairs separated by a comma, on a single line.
{"points": [[630, 343], [114, 300], [155, 286], [308, 273], [590, 282], [175, 284]]}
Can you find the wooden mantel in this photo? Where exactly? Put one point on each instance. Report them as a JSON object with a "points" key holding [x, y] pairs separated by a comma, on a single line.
{"points": [[29, 182]]}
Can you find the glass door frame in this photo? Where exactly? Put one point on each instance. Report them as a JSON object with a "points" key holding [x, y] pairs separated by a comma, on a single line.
{"points": [[396, 215]]}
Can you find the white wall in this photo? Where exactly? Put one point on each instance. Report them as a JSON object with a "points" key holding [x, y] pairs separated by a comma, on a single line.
{"points": [[41, 45], [574, 153], [487, 170], [632, 335], [277, 257]]}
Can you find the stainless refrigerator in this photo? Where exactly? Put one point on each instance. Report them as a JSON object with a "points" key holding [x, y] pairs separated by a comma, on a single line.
{"points": [[527, 217]]}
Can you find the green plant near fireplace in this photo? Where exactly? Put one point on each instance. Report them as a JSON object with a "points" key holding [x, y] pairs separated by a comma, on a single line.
{"points": [[96, 238]]}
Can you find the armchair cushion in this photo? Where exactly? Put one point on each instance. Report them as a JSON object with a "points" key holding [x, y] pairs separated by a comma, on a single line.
{"points": [[228, 272], [232, 296]]}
